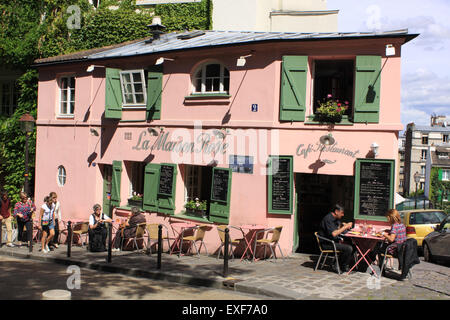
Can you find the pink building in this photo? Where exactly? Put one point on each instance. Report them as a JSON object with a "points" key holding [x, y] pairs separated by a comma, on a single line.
{"points": [[180, 117]]}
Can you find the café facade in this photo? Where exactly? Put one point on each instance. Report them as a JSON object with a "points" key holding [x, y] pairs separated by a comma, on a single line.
{"points": [[228, 118]]}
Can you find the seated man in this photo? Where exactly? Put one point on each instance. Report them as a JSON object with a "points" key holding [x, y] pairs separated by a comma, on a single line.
{"points": [[129, 228], [97, 229], [330, 228]]}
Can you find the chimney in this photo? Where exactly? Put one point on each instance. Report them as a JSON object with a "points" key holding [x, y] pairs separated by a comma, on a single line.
{"points": [[156, 28]]}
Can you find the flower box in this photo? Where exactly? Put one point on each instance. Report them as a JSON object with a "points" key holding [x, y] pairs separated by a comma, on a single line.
{"points": [[135, 203]]}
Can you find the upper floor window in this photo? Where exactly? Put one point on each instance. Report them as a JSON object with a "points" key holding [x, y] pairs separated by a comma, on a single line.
{"points": [[424, 139], [211, 78], [9, 93], [133, 87], [67, 96], [445, 174], [335, 78], [424, 155], [445, 138]]}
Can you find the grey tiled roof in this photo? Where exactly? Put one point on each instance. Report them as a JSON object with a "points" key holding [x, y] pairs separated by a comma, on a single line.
{"points": [[203, 39]]}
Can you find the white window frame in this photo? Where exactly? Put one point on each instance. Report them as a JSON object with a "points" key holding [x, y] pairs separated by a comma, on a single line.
{"points": [[71, 88], [193, 182], [12, 94], [61, 176], [132, 84], [424, 154], [445, 138], [203, 78], [445, 174]]}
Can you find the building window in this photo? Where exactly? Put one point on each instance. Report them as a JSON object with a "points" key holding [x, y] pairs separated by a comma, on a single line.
{"points": [[445, 138], [137, 178], [9, 92], [334, 77], [422, 170], [61, 176], [211, 78], [445, 174], [425, 140], [198, 183], [424, 155], [402, 183], [67, 96], [134, 91]]}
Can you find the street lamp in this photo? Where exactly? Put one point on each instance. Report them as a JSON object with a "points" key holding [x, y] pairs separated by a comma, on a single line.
{"points": [[27, 126], [416, 180]]}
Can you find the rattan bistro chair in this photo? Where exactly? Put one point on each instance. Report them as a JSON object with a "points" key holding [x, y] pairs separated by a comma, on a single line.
{"points": [[327, 252], [232, 242], [198, 236], [80, 229], [139, 234], [152, 235], [272, 243]]}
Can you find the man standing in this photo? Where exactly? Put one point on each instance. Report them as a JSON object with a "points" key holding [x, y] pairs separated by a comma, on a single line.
{"points": [[331, 228], [5, 217]]}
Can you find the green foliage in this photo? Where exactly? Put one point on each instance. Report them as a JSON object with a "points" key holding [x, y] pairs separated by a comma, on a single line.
{"points": [[186, 16], [438, 189]]}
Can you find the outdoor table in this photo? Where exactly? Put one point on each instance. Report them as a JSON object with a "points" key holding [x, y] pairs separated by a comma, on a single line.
{"points": [[180, 227], [252, 228], [363, 243]]}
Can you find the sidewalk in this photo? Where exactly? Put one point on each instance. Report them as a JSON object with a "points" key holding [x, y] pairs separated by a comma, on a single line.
{"points": [[292, 278]]}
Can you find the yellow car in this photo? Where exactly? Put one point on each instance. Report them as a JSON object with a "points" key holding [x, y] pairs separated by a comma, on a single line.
{"points": [[420, 222]]}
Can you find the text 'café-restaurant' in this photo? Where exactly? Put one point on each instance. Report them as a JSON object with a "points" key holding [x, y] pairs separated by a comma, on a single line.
{"points": [[230, 118]]}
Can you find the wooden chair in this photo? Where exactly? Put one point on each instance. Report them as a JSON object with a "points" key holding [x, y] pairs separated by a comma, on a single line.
{"points": [[272, 243], [232, 242], [322, 251], [152, 235], [198, 236], [139, 234]]}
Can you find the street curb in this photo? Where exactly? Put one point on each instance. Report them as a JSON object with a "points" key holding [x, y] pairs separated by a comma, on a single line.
{"points": [[218, 283]]}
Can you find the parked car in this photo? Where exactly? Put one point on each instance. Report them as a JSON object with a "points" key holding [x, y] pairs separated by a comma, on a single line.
{"points": [[436, 245], [420, 222]]}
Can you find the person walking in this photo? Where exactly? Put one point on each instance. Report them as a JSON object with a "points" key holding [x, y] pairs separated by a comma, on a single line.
{"points": [[47, 223], [57, 213], [23, 212], [6, 217]]}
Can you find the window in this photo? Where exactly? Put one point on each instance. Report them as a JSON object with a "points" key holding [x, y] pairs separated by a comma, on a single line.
{"points": [[211, 78], [198, 183], [424, 155], [333, 77], [445, 138], [445, 174], [425, 140], [9, 93], [137, 178], [61, 176], [133, 88], [422, 170], [67, 96]]}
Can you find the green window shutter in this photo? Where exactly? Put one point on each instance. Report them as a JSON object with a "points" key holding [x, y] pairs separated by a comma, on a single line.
{"points": [[166, 198], [293, 88], [151, 183], [367, 89], [115, 183], [440, 174], [219, 209], [113, 94], [154, 92], [280, 184]]}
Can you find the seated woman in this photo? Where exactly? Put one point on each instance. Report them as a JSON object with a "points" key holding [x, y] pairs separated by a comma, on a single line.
{"points": [[97, 229], [394, 237], [128, 230]]}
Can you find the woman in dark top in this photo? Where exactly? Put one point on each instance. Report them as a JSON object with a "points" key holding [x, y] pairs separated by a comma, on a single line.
{"points": [[129, 228]]}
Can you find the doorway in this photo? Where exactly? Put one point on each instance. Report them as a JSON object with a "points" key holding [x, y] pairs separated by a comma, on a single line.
{"points": [[316, 195]]}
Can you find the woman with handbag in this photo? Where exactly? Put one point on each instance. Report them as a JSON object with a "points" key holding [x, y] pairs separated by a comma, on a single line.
{"points": [[23, 212], [47, 223], [57, 213]]}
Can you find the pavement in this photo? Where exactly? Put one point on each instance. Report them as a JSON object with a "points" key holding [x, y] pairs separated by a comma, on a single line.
{"points": [[290, 278]]}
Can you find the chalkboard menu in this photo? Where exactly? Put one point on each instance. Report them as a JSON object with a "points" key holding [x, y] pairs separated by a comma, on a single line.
{"points": [[220, 185], [166, 180], [281, 184], [374, 188]]}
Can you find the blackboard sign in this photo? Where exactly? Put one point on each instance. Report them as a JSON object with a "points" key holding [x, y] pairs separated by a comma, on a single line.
{"points": [[166, 180], [281, 184], [374, 188], [220, 185]]}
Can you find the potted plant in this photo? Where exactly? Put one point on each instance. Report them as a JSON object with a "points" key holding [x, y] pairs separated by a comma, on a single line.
{"points": [[196, 207], [330, 110], [135, 200]]}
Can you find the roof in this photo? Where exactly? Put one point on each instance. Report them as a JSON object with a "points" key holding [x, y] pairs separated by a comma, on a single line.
{"points": [[441, 161], [429, 128], [208, 38]]}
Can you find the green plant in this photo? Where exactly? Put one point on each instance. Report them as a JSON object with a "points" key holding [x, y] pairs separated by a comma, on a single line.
{"points": [[136, 197], [196, 204], [331, 109]]}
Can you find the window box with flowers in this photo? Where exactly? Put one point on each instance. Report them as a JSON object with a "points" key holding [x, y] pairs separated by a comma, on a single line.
{"points": [[330, 110], [135, 200], [196, 207]]}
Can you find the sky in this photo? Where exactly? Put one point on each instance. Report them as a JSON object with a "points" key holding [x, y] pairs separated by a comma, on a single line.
{"points": [[425, 68]]}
